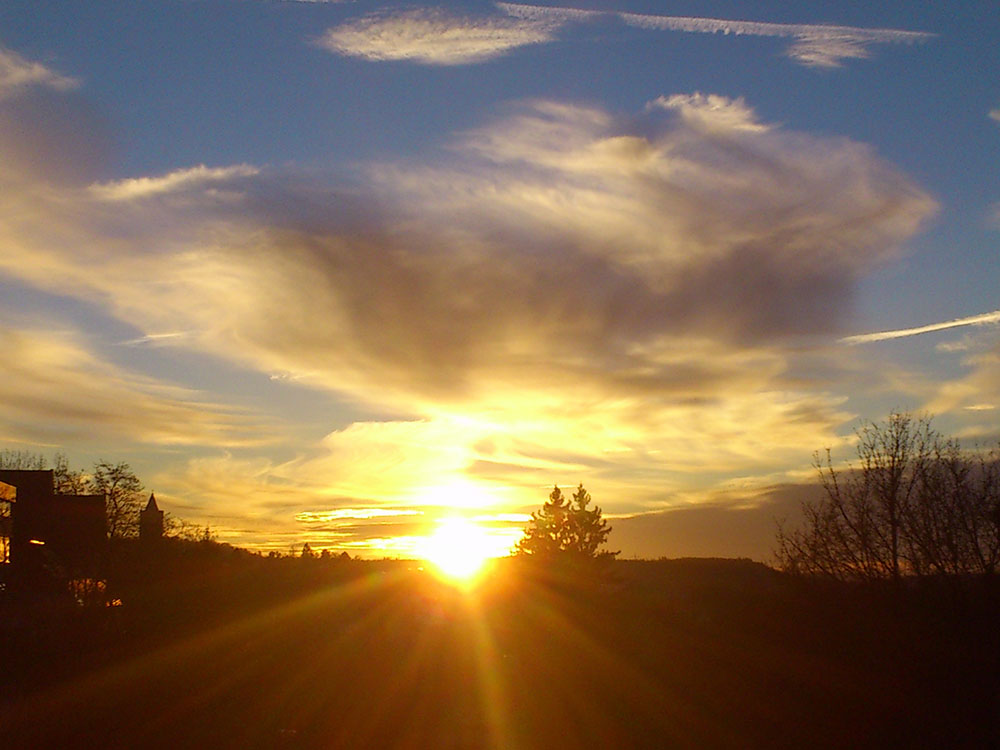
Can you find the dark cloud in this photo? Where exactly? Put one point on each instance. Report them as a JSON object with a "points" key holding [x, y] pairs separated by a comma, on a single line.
{"points": [[59, 137], [719, 528], [561, 246], [495, 267]]}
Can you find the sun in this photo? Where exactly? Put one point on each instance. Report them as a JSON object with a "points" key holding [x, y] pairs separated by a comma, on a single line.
{"points": [[458, 549]]}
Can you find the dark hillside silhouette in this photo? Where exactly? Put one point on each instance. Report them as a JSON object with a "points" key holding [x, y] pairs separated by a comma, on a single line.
{"points": [[214, 647], [197, 644]]}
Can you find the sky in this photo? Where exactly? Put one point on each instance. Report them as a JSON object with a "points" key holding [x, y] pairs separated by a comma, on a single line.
{"points": [[337, 272]]}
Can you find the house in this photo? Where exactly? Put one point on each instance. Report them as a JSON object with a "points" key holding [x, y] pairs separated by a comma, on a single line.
{"points": [[50, 535]]}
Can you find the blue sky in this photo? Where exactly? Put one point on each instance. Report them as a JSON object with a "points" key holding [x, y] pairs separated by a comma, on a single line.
{"points": [[331, 272]]}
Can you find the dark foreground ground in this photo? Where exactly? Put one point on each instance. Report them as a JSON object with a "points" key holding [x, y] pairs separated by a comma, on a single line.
{"points": [[683, 653]]}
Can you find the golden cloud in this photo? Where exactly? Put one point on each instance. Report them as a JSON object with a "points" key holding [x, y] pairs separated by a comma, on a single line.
{"points": [[570, 296], [434, 37], [54, 390]]}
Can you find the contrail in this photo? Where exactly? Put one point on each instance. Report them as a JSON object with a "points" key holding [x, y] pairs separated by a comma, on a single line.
{"points": [[715, 25], [974, 320], [152, 339], [816, 44]]}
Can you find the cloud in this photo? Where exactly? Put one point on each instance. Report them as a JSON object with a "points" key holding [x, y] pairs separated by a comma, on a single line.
{"points": [[176, 181], [434, 37], [995, 114], [976, 392], [437, 37], [564, 294], [814, 45], [724, 524], [325, 516], [712, 112], [157, 339], [50, 135], [561, 244], [300, 499], [654, 223], [54, 390], [973, 320], [18, 74]]}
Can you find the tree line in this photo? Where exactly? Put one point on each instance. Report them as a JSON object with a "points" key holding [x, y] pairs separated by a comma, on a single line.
{"points": [[915, 503], [117, 482]]}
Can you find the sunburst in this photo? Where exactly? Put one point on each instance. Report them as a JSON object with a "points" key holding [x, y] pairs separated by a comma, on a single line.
{"points": [[458, 549]]}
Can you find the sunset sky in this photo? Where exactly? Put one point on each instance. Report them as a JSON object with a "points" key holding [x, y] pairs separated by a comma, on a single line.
{"points": [[333, 272]]}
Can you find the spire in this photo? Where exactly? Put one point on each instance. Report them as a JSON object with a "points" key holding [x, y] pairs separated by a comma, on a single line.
{"points": [[151, 521]]}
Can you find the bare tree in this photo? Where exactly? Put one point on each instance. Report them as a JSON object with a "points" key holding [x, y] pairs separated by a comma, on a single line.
{"points": [[68, 481], [122, 491], [915, 503], [955, 529], [23, 460]]}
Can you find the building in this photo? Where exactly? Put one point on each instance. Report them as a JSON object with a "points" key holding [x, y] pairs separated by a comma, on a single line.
{"points": [[7, 494], [150, 522], [51, 536]]}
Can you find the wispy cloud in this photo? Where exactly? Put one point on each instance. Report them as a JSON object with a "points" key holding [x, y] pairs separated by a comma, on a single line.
{"points": [[18, 74], [157, 339], [977, 391], [352, 514], [815, 45], [53, 389], [437, 37], [434, 36], [712, 111], [181, 179], [972, 320]]}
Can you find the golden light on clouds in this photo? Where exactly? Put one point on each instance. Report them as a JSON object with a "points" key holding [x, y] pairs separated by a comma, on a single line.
{"points": [[570, 295], [460, 493]]}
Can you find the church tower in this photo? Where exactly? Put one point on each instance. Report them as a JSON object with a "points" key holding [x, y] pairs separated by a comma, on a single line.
{"points": [[150, 522]]}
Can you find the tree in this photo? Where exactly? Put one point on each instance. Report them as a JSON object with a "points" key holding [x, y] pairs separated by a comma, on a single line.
{"points": [[123, 497], [68, 481], [914, 504], [955, 529], [22, 460], [566, 530]]}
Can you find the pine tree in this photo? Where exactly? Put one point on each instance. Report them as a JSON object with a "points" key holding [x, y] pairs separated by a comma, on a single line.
{"points": [[566, 530]]}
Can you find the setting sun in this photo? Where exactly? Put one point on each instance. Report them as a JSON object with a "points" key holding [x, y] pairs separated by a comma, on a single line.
{"points": [[459, 549]]}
